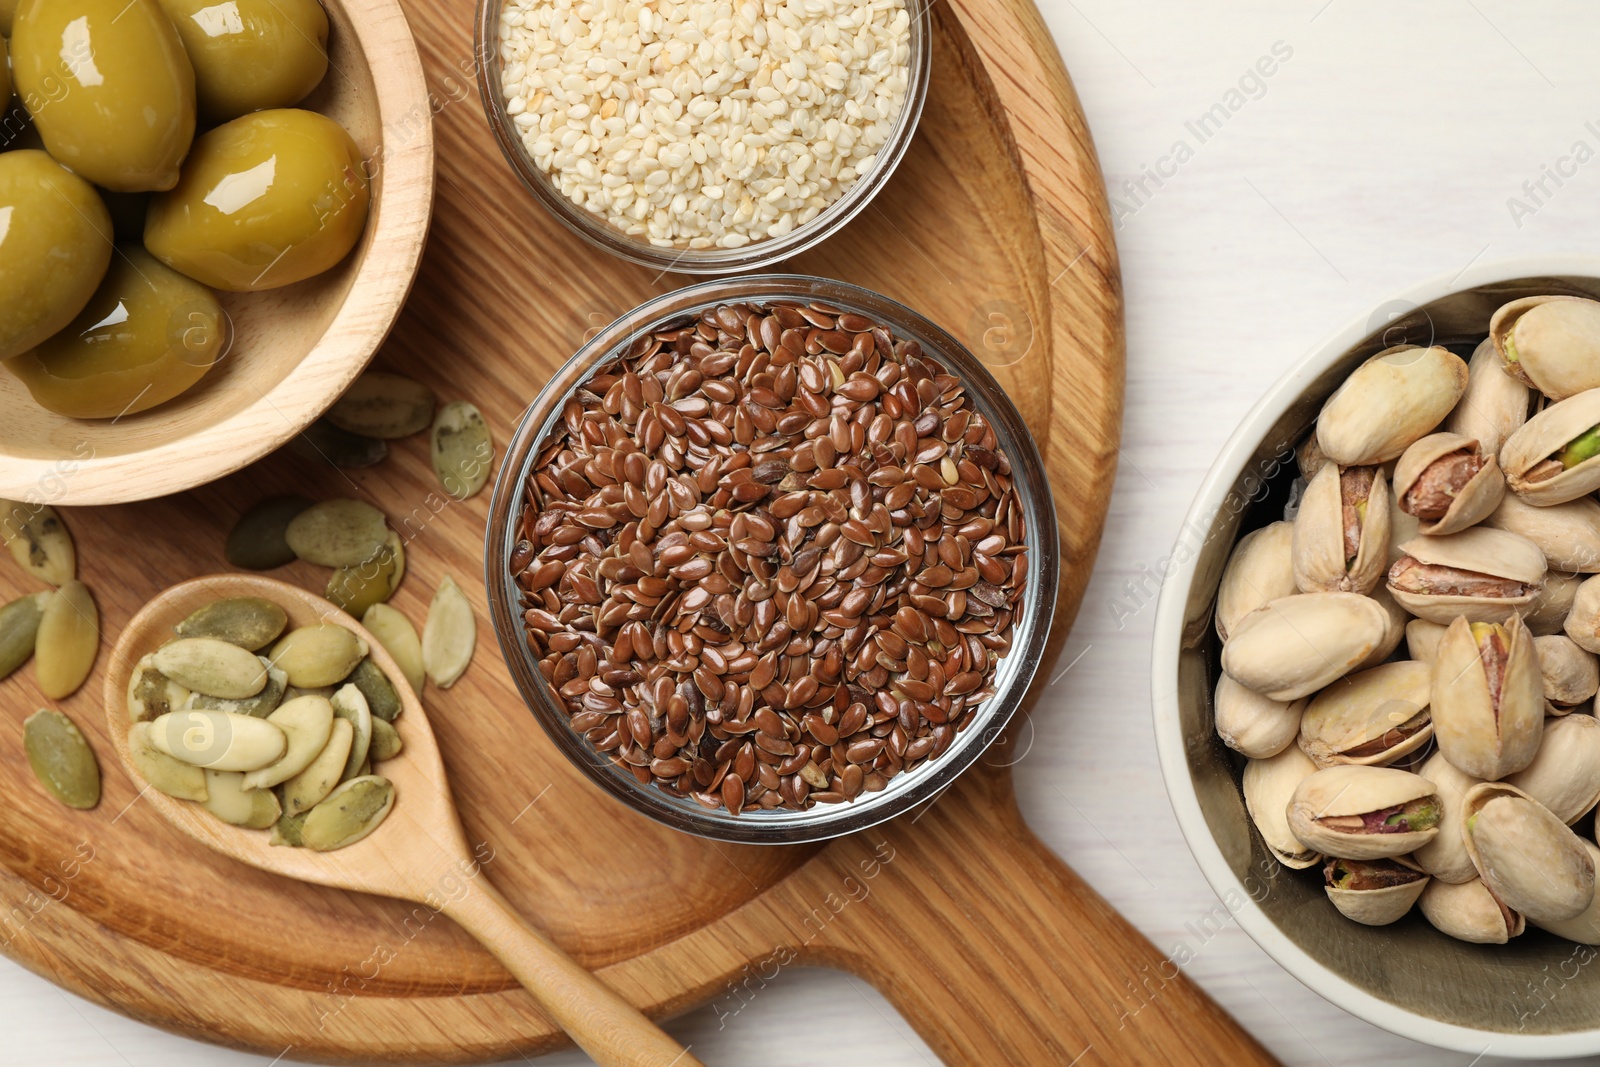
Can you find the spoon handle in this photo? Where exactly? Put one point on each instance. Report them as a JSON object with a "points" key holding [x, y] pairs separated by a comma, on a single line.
{"points": [[612, 1031]]}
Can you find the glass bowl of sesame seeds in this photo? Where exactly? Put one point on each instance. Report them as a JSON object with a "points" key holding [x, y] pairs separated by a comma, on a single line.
{"points": [[772, 559], [702, 137]]}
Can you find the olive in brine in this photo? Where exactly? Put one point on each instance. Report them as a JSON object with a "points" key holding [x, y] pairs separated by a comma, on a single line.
{"points": [[250, 55], [109, 87], [8, 12], [55, 243], [147, 335], [266, 200], [5, 75]]}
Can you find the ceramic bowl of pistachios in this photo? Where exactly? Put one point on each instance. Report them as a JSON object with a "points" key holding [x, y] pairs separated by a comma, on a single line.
{"points": [[1377, 657]]}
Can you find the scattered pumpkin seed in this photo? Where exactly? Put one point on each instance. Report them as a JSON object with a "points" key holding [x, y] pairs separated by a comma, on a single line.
{"points": [[229, 800], [212, 666], [218, 740], [257, 541], [337, 533], [259, 706], [152, 694], [322, 441], [68, 641], [373, 581], [163, 773], [19, 629], [287, 831], [380, 404], [350, 813], [306, 722], [351, 706], [462, 449], [399, 638], [379, 691], [247, 621], [61, 759], [39, 541], [449, 636], [308, 788], [386, 742], [319, 655]]}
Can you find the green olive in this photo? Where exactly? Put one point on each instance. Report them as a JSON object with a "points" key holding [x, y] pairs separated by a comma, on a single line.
{"points": [[55, 242], [5, 75], [8, 10], [250, 55], [18, 131], [147, 335], [109, 87], [266, 200]]}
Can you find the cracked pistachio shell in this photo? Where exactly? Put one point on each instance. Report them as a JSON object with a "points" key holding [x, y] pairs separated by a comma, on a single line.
{"points": [[1353, 791], [152, 694], [1268, 785], [350, 813], [1495, 404], [337, 533], [1321, 560], [1585, 928], [19, 630], [1568, 534], [1571, 673], [1260, 571], [383, 405], [218, 740], [1475, 501], [1296, 645], [1550, 342], [1547, 435], [1393, 636], [1527, 857], [1309, 457], [351, 706], [1396, 397], [306, 722], [1478, 550], [449, 636], [1583, 619], [1422, 639], [250, 622], [1253, 725], [1468, 911], [1553, 605], [399, 638], [1375, 907], [1445, 857], [1372, 718], [1403, 527], [163, 773], [259, 706], [1486, 738], [68, 641], [212, 666], [229, 800], [61, 759], [312, 785], [39, 541], [314, 656], [1565, 775]]}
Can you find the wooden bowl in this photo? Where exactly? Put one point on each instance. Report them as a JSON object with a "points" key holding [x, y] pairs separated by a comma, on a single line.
{"points": [[295, 349]]}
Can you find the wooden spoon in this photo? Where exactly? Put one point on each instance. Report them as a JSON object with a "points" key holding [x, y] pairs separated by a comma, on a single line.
{"points": [[419, 853]]}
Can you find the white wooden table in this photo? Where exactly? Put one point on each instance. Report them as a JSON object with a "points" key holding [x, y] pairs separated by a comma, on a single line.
{"points": [[1390, 144]]}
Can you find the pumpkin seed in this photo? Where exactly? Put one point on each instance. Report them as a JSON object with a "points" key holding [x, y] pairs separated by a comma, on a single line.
{"points": [[380, 404], [350, 813], [379, 691], [68, 641], [218, 740], [323, 691], [259, 706], [308, 788], [306, 722], [163, 773], [462, 449], [229, 800], [287, 830], [212, 666], [257, 541], [386, 742], [247, 621], [357, 588], [61, 759], [322, 441], [152, 694], [399, 638], [449, 636], [337, 533], [39, 541], [351, 706], [19, 629], [319, 655]]}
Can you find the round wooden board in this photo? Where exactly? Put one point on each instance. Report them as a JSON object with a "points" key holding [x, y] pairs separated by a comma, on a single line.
{"points": [[995, 225]]}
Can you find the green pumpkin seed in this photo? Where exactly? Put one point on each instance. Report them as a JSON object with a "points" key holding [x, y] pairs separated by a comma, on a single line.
{"points": [[399, 638], [355, 589], [68, 641], [324, 691], [337, 533], [163, 773], [462, 449], [259, 706], [386, 742], [229, 800], [212, 666], [19, 629], [257, 541], [350, 813], [308, 788], [351, 706], [319, 655], [218, 740], [449, 636], [384, 405], [287, 831], [152, 694], [61, 759], [379, 691], [323, 442], [307, 723], [39, 541], [247, 621]]}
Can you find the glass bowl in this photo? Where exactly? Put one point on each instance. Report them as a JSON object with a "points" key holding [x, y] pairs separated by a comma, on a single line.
{"points": [[751, 257], [1030, 627]]}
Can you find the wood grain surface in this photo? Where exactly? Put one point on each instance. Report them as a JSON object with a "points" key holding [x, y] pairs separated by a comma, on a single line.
{"points": [[996, 226]]}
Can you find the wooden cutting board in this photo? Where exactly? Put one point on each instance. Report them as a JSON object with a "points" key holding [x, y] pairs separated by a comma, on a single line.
{"points": [[995, 225]]}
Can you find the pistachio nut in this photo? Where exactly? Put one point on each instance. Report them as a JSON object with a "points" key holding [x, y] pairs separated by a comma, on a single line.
{"points": [[1448, 482], [1422, 639], [247, 621], [369, 678], [163, 773], [1550, 342], [218, 740], [1550, 610], [1364, 813], [1393, 399], [1495, 404], [1268, 785], [337, 533], [1571, 673], [1309, 457], [212, 666], [350, 706], [306, 724], [373, 581], [19, 630], [1372, 892], [257, 541], [319, 655], [1296, 645], [1469, 911], [386, 743], [1488, 698], [1372, 718], [39, 541], [308, 788], [1403, 527], [383, 405], [1565, 775], [349, 814], [449, 636], [1555, 457], [61, 759], [259, 706], [1568, 534], [399, 638], [1585, 929], [1260, 571], [1253, 725], [462, 449], [1583, 619], [1341, 537], [229, 800], [1445, 857], [152, 694], [1393, 636], [1527, 857], [68, 641], [1485, 575]]}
